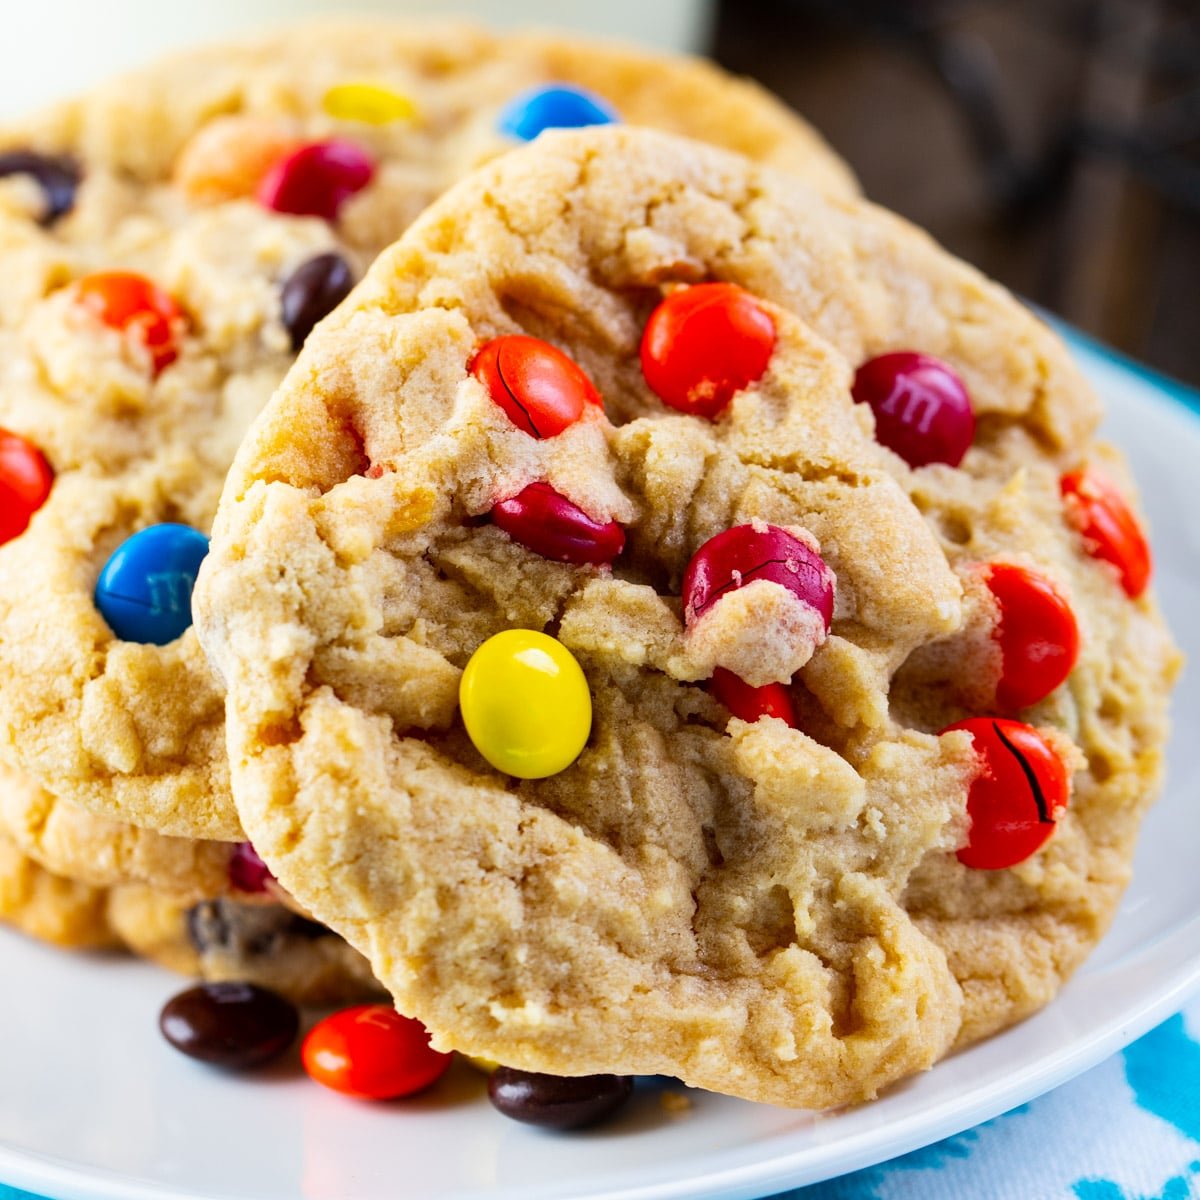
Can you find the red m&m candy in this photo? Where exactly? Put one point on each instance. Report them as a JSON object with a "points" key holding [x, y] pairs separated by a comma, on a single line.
{"points": [[750, 703], [248, 872], [1108, 527], [745, 554], [922, 410], [536, 384], [372, 1052], [1015, 800], [547, 523], [25, 480], [137, 306], [1036, 632], [317, 179], [703, 344]]}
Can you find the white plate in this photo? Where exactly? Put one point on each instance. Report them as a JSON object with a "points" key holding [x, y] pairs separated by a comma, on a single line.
{"points": [[94, 1104]]}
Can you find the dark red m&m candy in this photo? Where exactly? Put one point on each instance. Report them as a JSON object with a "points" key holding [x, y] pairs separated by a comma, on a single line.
{"points": [[922, 410], [317, 179], [25, 481], [542, 390], [1110, 531], [1036, 632], [705, 343], [746, 553], [1016, 798], [248, 872], [546, 522]]}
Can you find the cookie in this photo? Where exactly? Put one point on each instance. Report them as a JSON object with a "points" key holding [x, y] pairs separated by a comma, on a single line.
{"points": [[50, 907], [758, 884], [214, 940], [70, 841], [222, 939], [169, 241]]}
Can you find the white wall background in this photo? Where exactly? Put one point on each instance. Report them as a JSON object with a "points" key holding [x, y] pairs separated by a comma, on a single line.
{"points": [[58, 47]]}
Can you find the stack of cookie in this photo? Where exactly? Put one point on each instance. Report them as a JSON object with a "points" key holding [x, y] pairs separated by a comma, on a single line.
{"points": [[170, 241], [671, 618]]}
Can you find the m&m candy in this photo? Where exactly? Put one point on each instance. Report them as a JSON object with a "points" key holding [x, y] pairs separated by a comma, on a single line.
{"points": [[547, 523], [312, 291], [372, 1052], [752, 703], [1036, 632], [370, 103], [542, 390], [145, 589], [703, 344], [248, 872], [557, 1101], [136, 306], [745, 554], [238, 1026], [1016, 798], [525, 704], [316, 179], [1110, 531], [922, 410], [556, 106], [56, 175], [25, 481]]}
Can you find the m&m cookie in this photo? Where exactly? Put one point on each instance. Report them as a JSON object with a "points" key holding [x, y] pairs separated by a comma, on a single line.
{"points": [[694, 664]]}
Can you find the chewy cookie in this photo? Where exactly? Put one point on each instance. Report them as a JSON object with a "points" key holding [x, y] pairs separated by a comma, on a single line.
{"points": [[592, 654], [223, 939], [169, 241], [214, 940], [71, 841], [51, 907]]}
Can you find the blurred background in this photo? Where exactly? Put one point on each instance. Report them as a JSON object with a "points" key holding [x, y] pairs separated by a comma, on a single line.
{"points": [[1053, 143]]}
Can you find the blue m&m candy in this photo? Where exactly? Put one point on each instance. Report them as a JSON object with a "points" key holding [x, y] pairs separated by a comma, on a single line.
{"points": [[557, 106], [145, 589]]}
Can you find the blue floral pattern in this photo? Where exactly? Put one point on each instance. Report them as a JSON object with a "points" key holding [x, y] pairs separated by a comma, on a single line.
{"points": [[1127, 1130]]}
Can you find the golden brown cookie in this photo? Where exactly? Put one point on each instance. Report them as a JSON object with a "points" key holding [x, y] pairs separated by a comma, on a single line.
{"points": [[73, 842], [265, 944], [196, 175], [772, 908], [50, 907]]}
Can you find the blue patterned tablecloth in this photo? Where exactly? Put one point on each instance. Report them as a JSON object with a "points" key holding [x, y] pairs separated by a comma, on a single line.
{"points": [[1128, 1129]]}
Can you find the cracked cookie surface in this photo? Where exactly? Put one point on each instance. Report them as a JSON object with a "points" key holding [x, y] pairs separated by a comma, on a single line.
{"points": [[169, 159], [73, 842], [776, 913]]}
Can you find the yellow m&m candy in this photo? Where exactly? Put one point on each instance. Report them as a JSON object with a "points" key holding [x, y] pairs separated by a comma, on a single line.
{"points": [[526, 704], [371, 103]]}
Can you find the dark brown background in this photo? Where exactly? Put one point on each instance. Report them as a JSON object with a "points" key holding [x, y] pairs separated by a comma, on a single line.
{"points": [[1053, 143]]}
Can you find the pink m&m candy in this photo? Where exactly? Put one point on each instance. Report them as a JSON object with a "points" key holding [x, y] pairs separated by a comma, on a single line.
{"points": [[547, 523], [317, 179], [745, 554], [922, 410]]}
